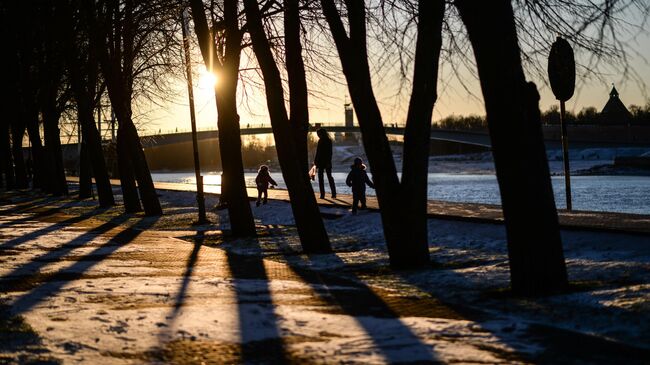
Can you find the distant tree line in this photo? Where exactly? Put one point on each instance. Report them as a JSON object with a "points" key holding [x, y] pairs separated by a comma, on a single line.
{"points": [[462, 122], [166, 157], [640, 115]]}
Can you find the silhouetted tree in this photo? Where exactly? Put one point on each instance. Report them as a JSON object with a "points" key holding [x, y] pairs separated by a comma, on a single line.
{"points": [[601, 33], [17, 135], [311, 229], [29, 48], [220, 46], [8, 103], [37, 74], [534, 243], [587, 115], [298, 95], [403, 205], [133, 39], [640, 115], [53, 95], [83, 71], [6, 161], [35, 71], [85, 172], [462, 122]]}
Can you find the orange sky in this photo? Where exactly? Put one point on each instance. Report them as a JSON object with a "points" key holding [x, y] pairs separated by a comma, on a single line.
{"points": [[327, 106]]}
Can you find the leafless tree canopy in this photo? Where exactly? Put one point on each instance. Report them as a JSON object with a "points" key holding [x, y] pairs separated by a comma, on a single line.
{"points": [[602, 33]]}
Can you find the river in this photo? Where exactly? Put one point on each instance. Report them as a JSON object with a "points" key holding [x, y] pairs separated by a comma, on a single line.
{"points": [[626, 194]]}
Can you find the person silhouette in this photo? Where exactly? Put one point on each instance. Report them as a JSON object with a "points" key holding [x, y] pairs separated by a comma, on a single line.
{"points": [[358, 179], [323, 162], [262, 182]]}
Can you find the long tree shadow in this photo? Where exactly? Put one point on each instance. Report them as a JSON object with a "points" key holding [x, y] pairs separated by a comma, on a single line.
{"points": [[187, 275], [58, 252], [181, 295], [40, 287], [164, 353], [364, 305], [534, 320], [43, 214], [28, 205], [11, 206], [520, 322], [261, 340]]}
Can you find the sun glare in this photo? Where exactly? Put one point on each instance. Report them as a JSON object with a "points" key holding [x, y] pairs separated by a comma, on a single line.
{"points": [[207, 80]]}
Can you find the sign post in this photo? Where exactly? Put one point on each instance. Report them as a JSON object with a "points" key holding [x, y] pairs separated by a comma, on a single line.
{"points": [[562, 75]]}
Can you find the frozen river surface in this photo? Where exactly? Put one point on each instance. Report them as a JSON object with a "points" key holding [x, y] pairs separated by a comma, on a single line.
{"points": [[627, 194]]}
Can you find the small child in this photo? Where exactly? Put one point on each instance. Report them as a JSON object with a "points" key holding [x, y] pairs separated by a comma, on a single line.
{"points": [[262, 181], [357, 179]]}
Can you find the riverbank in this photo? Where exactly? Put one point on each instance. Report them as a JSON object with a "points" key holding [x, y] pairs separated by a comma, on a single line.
{"points": [[623, 194], [88, 285], [469, 212]]}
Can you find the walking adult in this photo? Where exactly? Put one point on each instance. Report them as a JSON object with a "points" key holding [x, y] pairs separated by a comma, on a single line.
{"points": [[323, 162]]}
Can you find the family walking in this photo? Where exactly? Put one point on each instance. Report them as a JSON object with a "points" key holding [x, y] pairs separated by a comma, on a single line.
{"points": [[357, 179]]}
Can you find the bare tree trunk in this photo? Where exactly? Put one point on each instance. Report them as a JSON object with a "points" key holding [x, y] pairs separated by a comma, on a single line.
{"points": [[133, 165], [146, 188], [5, 157], [53, 152], [85, 173], [234, 186], [309, 223], [96, 154], [84, 91], [102, 180], [298, 97], [127, 177], [405, 239], [415, 168], [114, 41], [534, 244], [17, 134], [52, 95], [41, 175]]}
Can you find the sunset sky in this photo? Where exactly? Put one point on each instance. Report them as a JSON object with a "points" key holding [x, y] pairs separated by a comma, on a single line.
{"points": [[326, 106]]}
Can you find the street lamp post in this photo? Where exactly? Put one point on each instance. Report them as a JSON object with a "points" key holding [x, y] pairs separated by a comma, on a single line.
{"points": [[197, 166]]}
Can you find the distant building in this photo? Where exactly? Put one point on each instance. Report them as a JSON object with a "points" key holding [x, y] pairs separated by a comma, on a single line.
{"points": [[349, 115], [614, 111]]}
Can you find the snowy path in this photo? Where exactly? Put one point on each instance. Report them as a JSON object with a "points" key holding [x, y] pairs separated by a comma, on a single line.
{"points": [[104, 294], [112, 288]]}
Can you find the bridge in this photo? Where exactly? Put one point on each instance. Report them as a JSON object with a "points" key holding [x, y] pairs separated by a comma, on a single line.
{"points": [[164, 150], [580, 136], [477, 139]]}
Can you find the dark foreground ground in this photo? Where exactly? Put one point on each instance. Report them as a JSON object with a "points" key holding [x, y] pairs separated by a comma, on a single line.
{"points": [[86, 285]]}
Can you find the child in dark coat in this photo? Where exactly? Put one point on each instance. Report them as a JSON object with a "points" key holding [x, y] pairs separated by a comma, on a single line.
{"points": [[262, 181], [358, 179]]}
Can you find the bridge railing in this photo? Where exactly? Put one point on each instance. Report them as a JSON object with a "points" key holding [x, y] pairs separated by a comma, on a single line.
{"points": [[243, 126]]}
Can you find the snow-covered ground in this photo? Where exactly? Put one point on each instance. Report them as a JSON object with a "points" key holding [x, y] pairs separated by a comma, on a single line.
{"points": [[101, 293]]}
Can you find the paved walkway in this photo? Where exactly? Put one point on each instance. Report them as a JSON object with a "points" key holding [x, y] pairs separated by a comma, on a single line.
{"points": [[98, 292], [81, 290]]}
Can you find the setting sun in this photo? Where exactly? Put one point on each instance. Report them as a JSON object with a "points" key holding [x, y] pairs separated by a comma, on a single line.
{"points": [[207, 80]]}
